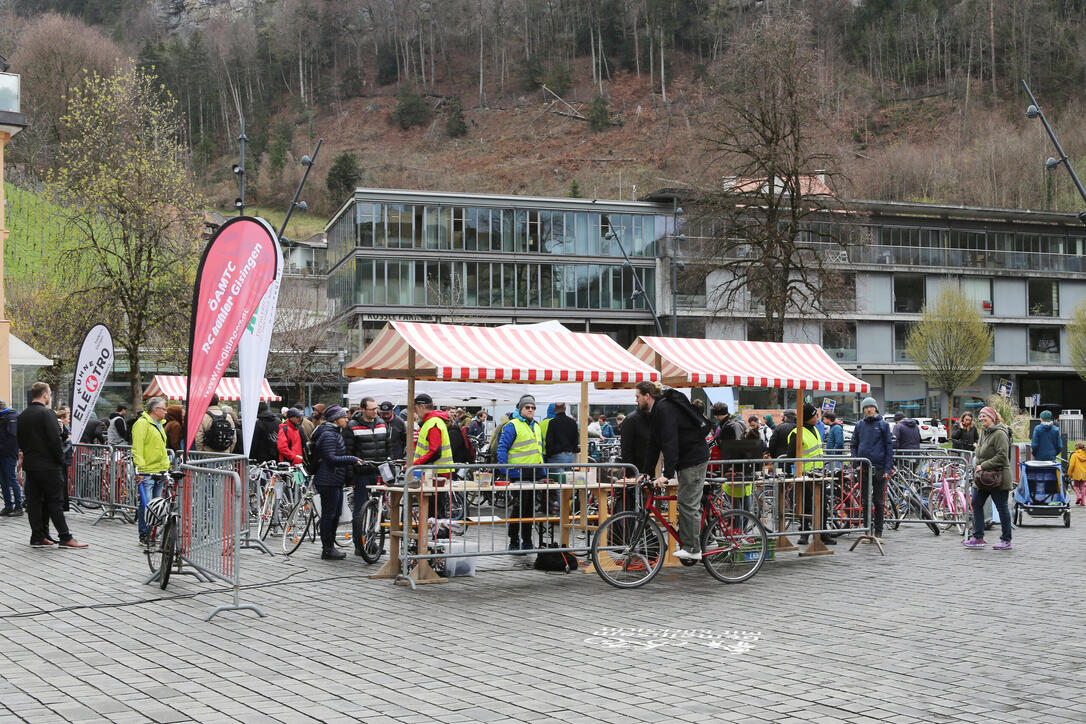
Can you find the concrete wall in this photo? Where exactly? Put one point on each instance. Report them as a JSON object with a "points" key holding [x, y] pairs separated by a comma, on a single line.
{"points": [[1009, 297], [874, 342], [1010, 343], [874, 293]]}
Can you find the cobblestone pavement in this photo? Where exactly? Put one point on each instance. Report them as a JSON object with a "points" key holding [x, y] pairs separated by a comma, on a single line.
{"points": [[930, 633]]}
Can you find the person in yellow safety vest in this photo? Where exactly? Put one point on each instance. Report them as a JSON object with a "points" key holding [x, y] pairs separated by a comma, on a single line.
{"points": [[521, 443], [432, 447], [812, 448]]}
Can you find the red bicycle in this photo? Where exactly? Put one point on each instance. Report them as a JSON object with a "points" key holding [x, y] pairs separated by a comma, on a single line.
{"points": [[628, 550]]}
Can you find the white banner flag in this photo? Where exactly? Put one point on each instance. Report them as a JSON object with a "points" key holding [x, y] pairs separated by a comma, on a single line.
{"points": [[95, 363], [253, 353]]}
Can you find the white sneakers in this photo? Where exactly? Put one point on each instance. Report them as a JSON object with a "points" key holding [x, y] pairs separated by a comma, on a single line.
{"points": [[684, 555]]}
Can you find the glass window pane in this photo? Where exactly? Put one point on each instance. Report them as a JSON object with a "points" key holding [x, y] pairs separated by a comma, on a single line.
{"points": [[459, 227], [839, 340], [482, 229], [1044, 344], [420, 283], [509, 285], [484, 284], [363, 281], [380, 296], [908, 293], [1044, 298]]}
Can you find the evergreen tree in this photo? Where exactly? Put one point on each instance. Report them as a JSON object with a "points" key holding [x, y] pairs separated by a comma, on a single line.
{"points": [[455, 127], [599, 118], [574, 190], [411, 110], [343, 176]]}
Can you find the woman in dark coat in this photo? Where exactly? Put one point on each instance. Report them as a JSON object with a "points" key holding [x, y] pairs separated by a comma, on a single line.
{"points": [[175, 427], [331, 475]]}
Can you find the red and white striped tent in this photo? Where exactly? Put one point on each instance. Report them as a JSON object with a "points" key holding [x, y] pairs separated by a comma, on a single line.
{"points": [[175, 387], [731, 362], [497, 354]]}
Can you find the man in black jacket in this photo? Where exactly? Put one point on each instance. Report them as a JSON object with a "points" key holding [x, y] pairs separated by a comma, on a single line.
{"points": [[778, 444], [563, 439], [678, 432], [265, 447], [43, 463], [368, 441]]}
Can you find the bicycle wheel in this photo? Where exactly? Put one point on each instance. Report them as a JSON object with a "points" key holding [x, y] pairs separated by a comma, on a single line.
{"points": [[628, 550], [267, 511], [373, 533], [153, 548], [169, 539], [345, 531], [896, 506], [297, 525], [941, 512], [734, 546], [917, 507]]}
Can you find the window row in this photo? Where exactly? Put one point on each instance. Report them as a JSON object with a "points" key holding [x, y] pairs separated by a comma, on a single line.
{"points": [[580, 233], [1043, 345], [910, 295], [453, 285]]}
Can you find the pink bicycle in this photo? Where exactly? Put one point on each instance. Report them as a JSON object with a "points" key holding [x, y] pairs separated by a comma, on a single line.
{"points": [[947, 501]]}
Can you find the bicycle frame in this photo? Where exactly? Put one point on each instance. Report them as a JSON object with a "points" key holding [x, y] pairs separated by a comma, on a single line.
{"points": [[708, 507]]}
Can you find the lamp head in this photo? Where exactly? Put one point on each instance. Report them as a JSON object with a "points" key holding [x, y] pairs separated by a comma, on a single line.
{"points": [[302, 206], [237, 203], [1052, 163], [307, 161], [238, 170], [679, 211], [1033, 111]]}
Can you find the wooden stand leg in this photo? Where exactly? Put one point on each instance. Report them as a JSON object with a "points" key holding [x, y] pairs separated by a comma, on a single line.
{"points": [[816, 546], [564, 514], [783, 543], [392, 567]]}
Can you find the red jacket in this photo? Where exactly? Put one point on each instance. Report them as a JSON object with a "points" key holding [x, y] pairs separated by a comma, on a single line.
{"points": [[289, 443], [433, 439]]}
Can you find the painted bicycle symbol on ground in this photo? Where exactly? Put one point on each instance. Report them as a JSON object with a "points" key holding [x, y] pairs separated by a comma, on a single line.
{"points": [[648, 639]]}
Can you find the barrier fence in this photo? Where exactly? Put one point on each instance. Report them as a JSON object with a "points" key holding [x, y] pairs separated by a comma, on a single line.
{"points": [[214, 519]]}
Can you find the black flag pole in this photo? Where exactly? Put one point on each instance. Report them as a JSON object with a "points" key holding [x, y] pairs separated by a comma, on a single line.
{"points": [[308, 162], [239, 169]]}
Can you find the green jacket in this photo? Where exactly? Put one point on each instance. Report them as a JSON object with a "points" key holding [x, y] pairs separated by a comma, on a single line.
{"points": [[149, 445], [992, 452]]}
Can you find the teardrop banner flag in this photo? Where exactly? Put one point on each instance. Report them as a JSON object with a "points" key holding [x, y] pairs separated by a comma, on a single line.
{"points": [[253, 354], [237, 267], [95, 362]]}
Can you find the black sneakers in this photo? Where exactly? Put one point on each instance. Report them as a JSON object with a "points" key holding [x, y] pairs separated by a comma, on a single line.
{"points": [[331, 554]]}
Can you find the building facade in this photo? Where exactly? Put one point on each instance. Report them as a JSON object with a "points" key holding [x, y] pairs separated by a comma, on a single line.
{"points": [[491, 259]]}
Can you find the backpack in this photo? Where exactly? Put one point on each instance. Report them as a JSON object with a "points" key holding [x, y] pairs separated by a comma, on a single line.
{"points": [[555, 561], [9, 431], [311, 452], [220, 435], [462, 450], [692, 412]]}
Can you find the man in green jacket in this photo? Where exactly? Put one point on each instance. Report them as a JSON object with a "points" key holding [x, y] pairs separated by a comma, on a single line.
{"points": [[151, 458]]}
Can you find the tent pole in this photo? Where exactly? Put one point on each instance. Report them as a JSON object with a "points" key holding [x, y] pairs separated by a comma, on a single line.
{"points": [[799, 423], [582, 422]]}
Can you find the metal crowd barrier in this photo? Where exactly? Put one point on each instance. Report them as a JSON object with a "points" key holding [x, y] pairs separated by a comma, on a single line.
{"points": [[238, 464], [475, 512], [213, 516], [785, 502], [919, 475], [103, 477]]}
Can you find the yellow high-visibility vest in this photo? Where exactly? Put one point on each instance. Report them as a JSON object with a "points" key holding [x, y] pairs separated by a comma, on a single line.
{"points": [[445, 459]]}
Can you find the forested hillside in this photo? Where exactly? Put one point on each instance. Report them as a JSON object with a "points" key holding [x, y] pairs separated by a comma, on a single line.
{"points": [[917, 100]]}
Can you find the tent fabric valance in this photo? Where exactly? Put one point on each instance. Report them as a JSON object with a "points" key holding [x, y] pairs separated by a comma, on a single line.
{"points": [[497, 354], [780, 365], [175, 387]]}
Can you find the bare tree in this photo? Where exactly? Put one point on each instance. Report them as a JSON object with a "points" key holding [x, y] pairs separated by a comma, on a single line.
{"points": [[761, 230], [300, 347]]}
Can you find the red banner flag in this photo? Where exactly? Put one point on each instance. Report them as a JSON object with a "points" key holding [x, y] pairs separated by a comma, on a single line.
{"points": [[237, 267]]}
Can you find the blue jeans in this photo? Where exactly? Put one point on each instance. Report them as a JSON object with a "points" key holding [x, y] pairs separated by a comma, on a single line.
{"points": [[13, 492], [999, 498], [150, 486], [566, 457]]}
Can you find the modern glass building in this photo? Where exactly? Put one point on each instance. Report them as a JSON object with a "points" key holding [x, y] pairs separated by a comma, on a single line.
{"points": [[491, 259]]}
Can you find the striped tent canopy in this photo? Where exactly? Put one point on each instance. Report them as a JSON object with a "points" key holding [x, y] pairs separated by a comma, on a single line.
{"points": [[175, 387], [731, 362], [497, 354]]}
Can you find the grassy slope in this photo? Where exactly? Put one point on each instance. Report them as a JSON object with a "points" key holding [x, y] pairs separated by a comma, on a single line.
{"points": [[36, 241]]}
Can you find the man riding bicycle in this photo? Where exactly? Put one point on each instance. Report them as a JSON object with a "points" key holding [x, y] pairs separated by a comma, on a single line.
{"points": [[678, 432], [151, 458]]}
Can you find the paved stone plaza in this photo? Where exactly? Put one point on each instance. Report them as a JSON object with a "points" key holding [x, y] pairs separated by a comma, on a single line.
{"points": [[930, 633]]}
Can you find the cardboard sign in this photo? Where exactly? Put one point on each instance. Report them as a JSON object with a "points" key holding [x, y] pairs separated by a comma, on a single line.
{"points": [[828, 405]]}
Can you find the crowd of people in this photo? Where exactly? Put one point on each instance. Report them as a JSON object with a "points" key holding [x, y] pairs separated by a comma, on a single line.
{"points": [[344, 447]]}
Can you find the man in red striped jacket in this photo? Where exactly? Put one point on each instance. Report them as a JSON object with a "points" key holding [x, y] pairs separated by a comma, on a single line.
{"points": [[367, 439]]}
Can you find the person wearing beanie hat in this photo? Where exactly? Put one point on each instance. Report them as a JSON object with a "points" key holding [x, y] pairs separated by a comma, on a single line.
{"points": [[331, 476], [992, 454], [521, 443], [873, 441], [292, 438], [811, 442], [1047, 442]]}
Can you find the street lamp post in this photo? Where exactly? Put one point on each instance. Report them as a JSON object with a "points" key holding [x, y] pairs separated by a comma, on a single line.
{"points": [[1034, 111], [342, 355], [637, 281], [676, 214]]}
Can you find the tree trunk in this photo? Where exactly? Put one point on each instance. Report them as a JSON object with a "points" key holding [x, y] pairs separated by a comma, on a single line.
{"points": [[663, 87], [134, 383], [991, 38]]}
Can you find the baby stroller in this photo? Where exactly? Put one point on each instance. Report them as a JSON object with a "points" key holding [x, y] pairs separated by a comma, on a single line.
{"points": [[1040, 492]]}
